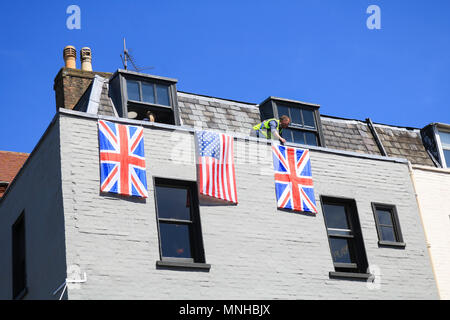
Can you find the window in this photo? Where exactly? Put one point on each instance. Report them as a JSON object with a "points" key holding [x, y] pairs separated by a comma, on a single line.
{"points": [[145, 97], [178, 221], [148, 92], [344, 235], [18, 258], [388, 225], [445, 143], [3, 187], [305, 127]]}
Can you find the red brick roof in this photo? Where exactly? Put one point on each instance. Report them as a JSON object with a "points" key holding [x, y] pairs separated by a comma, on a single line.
{"points": [[10, 164]]}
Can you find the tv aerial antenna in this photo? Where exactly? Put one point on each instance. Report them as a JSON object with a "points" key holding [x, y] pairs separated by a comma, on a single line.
{"points": [[127, 57]]}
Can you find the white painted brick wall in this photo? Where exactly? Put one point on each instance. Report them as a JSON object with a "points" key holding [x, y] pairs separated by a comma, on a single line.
{"points": [[433, 189], [256, 251], [37, 191]]}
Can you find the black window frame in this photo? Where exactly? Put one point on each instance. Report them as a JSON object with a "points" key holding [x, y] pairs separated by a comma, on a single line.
{"points": [[19, 261], [118, 84], [359, 269], [155, 93], [196, 237], [399, 242], [269, 109]]}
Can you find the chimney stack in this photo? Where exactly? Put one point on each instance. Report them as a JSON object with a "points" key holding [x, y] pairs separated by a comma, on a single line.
{"points": [[71, 83], [86, 59], [70, 57]]}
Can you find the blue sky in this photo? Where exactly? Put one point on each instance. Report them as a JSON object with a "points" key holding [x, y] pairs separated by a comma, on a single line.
{"points": [[317, 51]]}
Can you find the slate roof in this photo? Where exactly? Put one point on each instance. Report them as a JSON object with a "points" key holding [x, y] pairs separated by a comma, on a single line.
{"points": [[219, 114], [100, 98], [349, 135], [342, 134], [404, 143], [10, 164], [106, 105]]}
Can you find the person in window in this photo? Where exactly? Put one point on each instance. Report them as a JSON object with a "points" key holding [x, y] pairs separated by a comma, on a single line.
{"points": [[272, 128], [150, 117]]}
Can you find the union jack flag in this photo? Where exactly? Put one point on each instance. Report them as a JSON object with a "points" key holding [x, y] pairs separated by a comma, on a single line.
{"points": [[293, 179], [122, 159]]}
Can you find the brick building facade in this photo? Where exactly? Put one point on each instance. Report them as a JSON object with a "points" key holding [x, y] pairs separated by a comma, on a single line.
{"points": [[251, 250]]}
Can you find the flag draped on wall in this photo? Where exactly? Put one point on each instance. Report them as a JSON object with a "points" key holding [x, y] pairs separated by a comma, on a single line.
{"points": [[293, 179], [122, 159], [216, 166]]}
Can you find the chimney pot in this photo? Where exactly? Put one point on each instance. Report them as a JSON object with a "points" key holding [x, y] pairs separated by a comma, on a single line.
{"points": [[70, 56], [86, 59]]}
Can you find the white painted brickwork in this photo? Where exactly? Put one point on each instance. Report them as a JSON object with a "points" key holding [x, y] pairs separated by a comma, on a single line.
{"points": [[37, 191], [433, 189], [255, 251]]}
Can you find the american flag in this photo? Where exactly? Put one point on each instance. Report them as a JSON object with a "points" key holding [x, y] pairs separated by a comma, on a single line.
{"points": [[293, 179], [216, 166], [122, 159]]}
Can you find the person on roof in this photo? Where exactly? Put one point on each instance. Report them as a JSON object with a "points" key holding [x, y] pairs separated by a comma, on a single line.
{"points": [[150, 117], [272, 128]]}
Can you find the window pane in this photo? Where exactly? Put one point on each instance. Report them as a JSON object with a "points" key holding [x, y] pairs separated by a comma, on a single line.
{"points": [[342, 250], [299, 136], [173, 203], [133, 90], [296, 116], [384, 217], [283, 111], [175, 240], [18, 244], [148, 95], [311, 139], [308, 118], [445, 138], [335, 216], [447, 157], [287, 134], [162, 92], [387, 234]]}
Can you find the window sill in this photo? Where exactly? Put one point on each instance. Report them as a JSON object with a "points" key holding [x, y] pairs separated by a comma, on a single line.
{"points": [[22, 294], [350, 275], [183, 265], [392, 244]]}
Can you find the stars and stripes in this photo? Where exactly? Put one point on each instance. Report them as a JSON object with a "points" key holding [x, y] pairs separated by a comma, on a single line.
{"points": [[122, 159], [293, 179], [216, 173]]}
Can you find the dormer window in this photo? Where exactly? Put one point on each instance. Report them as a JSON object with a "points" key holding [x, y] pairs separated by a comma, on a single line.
{"points": [[302, 129], [444, 137], [305, 127], [145, 97]]}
